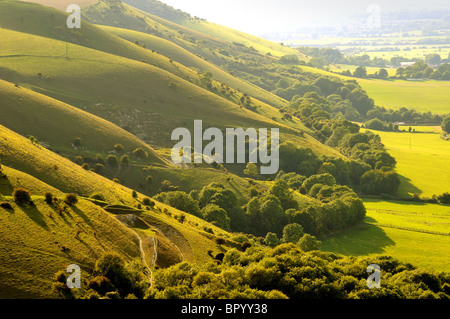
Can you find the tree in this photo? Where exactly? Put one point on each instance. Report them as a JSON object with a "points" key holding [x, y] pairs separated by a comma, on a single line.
{"points": [[125, 160], [446, 124], [180, 200], [325, 179], [292, 233], [360, 72], [118, 148], [99, 168], [271, 239], [383, 74], [140, 153], [48, 198], [251, 170], [433, 59], [112, 162], [216, 215], [71, 199], [281, 190], [112, 266], [77, 142], [308, 243], [21, 196]]}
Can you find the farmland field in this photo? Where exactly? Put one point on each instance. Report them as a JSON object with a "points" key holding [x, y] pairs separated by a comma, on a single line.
{"points": [[413, 232], [419, 156], [423, 96]]}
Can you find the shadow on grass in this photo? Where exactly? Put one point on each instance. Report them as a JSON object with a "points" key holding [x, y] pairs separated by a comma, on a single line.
{"points": [[35, 215], [360, 240], [406, 187]]}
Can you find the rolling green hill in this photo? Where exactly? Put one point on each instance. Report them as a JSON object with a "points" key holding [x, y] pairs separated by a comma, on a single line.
{"points": [[159, 9], [80, 233], [33, 114]]}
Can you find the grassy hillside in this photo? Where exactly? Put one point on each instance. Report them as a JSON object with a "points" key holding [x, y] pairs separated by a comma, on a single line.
{"points": [[39, 240], [186, 58], [161, 10], [123, 90], [32, 114]]}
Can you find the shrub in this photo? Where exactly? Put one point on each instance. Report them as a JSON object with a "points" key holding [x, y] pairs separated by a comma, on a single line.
{"points": [[101, 284], [71, 199], [118, 148], [77, 142], [146, 201], [22, 196], [49, 198], [134, 194], [112, 161], [125, 160], [140, 153]]}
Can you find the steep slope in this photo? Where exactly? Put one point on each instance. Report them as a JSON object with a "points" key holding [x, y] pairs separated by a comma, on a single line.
{"points": [[166, 12], [57, 124], [105, 83], [186, 58], [41, 239]]}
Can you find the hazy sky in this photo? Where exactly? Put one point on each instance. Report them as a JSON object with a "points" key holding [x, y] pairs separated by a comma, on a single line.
{"points": [[259, 16]]}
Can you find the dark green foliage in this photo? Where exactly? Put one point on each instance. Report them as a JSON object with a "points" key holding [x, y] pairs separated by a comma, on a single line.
{"points": [[288, 271], [179, 200], [292, 233], [217, 216], [111, 161], [71, 199], [140, 153], [21, 196], [446, 124], [125, 160], [308, 243], [48, 198], [377, 182]]}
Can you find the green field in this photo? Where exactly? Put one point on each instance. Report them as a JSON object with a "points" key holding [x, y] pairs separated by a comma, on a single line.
{"points": [[412, 232], [422, 162], [423, 96]]}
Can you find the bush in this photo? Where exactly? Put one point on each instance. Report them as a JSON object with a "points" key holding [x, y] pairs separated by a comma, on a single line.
{"points": [[71, 199], [22, 196], [49, 198], [77, 142], [140, 153], [101, 284], [112, 161]]}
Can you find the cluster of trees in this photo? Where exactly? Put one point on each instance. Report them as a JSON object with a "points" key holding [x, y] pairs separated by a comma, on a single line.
{"points": [[287, 271], [367, 159], [112, 278], [336, 206], [101, 164]]}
